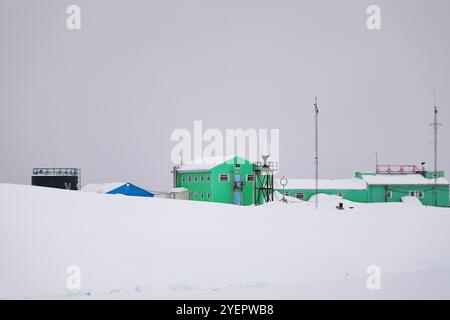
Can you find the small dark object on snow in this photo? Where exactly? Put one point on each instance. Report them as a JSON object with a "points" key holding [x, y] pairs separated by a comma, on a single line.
{"points": [[340, 206]]}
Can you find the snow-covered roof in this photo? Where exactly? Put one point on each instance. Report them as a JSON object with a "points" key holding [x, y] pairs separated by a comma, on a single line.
{"points": [[204, 164], [178, 190], [401, 179], [102, 187], [335, 184]]}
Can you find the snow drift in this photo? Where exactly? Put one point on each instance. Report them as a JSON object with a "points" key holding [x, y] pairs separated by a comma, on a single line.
{"points": [[130, 247]]}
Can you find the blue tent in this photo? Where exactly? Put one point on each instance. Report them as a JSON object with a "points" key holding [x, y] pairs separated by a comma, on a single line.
{"points": [[124, 188], [129, 189]]}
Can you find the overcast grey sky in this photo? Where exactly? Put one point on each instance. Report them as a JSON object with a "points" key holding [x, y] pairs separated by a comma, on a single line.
{"points": [[106, 98]]}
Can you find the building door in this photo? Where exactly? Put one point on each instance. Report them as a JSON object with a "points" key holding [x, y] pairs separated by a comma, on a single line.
{"points": [[237, 197], [237, 190]]}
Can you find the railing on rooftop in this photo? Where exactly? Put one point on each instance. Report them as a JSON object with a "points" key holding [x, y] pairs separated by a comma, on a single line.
{"points": [[397, 169], [56, 172]]}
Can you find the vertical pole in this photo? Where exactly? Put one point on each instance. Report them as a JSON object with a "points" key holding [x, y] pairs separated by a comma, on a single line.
{"points": [[376, 162], [316, 158], [435, 125]]}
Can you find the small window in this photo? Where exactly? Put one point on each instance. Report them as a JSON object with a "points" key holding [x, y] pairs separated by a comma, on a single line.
{"points": [[195, 179], [238, 165], [189, 179], [202, 178], [250, 177], [208, 178], [300, 195], [202, 195], [208, 195], [184, 178], [195, 195], [420, 194], [412, 193], [341, 194], [389, 194], [223, 177]]}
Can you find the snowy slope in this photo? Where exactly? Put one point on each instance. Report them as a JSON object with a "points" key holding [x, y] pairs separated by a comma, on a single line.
{"points": [[140, 248]]}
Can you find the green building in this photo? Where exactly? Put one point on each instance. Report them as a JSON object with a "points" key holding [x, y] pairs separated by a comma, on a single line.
{"points": [[227, 180], [235, 180], [376, 187]]}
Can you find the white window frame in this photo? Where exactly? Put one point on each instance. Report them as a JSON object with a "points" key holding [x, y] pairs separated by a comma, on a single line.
{"points": [[183, 179], [208, 195], [420, 196], [389, 194], [221, 175], [196, 179], [250, 175], [189, 178], [202, 178], [301, 197], [412, 193], [202, 195]]}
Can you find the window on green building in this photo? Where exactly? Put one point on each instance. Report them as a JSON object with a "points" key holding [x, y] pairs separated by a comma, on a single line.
{"points": [[184, 178], [195, 195], [202, 195], [420, 194], [238, 165], [208, 178], [189, 179], [341, 194], [250, 177], [202, 178], [208, 195], [223, 177], [195, 179], [412, 193], [389, 194], [300, 195]]}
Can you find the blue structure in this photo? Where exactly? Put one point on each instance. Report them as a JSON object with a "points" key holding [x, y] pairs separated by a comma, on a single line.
{"points": [[129, 189], [125, 188]]}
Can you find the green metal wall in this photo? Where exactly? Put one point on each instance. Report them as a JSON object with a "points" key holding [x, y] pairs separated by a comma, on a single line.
{"points": [[378, 193], [348, 194]]}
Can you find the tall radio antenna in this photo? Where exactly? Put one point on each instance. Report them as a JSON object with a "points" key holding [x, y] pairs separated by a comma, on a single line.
{"points": [[316, 158], [435, 125]]}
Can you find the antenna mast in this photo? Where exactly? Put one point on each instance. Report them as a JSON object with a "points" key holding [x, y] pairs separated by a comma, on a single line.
{"points": [[435, 125], [316, 158]]}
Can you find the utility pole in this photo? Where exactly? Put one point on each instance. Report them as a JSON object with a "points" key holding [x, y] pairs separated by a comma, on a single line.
{"points": [[316, 158], [435, 125]]}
